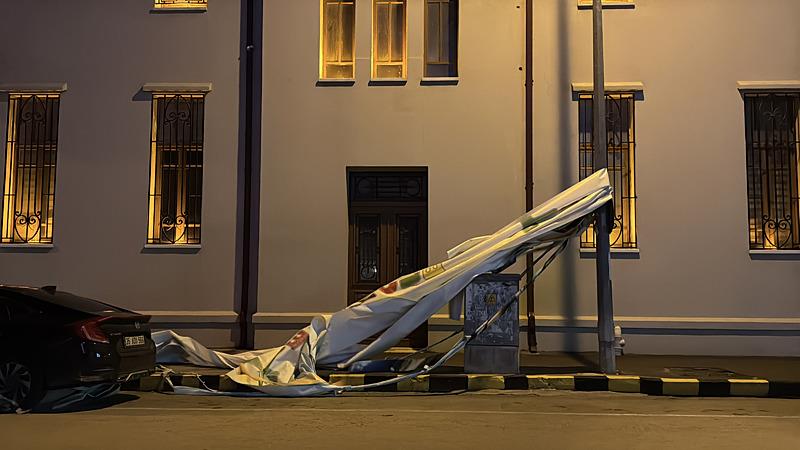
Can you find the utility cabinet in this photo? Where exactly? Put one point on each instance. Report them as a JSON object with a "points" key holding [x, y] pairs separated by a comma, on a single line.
{"points": [[496, 350]]}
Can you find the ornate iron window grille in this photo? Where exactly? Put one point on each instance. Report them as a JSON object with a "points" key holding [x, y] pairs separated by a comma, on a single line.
{"points": [[773, 166], [30, 169], [176, 169], [338, 36], [388, 187], [180, 4], [620, 120], [441, 38]]}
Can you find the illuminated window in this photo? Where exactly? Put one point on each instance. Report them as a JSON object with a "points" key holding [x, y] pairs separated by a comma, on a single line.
{"points": [[389, 39], [441, 38], [176, 169], [181, 4], [338, 33], [30, 169], [621, 163], [773, 167]]}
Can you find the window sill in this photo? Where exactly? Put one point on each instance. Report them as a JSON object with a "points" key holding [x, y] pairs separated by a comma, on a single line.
{"points": [[33, 87], [178, 10], [30, 248], [388, 82], [755, 86], [171, 248], [336, 81], [775, 255], [608, 5], [616, 253], [439, 81]]}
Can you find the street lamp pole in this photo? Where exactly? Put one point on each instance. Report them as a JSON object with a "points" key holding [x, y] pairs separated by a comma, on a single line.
{"points": [[605, 305]]}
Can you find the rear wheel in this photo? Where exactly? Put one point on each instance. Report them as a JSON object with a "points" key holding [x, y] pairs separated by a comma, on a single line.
{"points": [[20, 383]]}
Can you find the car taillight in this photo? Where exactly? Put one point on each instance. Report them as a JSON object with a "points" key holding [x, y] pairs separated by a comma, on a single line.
{"points": [[90, 330]]}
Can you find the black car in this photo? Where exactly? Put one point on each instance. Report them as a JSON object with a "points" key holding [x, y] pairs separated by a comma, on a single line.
{"points": [[52, 339]]}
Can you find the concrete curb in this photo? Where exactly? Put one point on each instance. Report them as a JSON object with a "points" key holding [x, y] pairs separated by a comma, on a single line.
{"points": [[684, 387]]}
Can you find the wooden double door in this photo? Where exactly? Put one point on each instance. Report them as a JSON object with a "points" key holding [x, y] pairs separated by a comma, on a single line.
{"points": [[388, 234]]}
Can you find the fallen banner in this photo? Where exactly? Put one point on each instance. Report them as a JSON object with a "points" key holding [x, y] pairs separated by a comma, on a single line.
{"points": [[399, 307]]}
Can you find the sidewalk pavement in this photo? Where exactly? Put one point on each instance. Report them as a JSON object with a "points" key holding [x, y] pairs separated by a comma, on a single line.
{"points": [[647, 374]]}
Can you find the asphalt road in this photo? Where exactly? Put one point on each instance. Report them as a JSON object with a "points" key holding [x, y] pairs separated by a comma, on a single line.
{"points": [[493, 420]]}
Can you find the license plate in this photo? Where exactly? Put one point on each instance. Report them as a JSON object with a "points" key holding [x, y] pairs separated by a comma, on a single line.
{"points": [[134, 341]]}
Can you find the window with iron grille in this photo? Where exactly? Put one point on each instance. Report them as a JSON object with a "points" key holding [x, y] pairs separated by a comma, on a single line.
{"points": [[773, 167], [30, 168], [338, 38], [441, 38], [193, 4], [176, 169], [389, 39], [620, 122]]}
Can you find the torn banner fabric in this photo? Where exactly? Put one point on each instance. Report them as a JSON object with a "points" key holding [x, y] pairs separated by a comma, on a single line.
{"points": [[397, 308]]}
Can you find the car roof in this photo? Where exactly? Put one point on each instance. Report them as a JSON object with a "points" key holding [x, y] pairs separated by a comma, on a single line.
{"points": [[63, 299]]}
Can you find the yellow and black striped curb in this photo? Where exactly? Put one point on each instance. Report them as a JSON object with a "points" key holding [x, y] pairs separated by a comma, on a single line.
{"points": [[462, 382]]}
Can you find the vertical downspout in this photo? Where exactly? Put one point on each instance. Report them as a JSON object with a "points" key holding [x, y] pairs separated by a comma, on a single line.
{"points": [[248, 213], [532, 343]]}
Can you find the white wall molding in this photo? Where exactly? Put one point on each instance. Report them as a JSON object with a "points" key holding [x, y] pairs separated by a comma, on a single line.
{"points": [[663, 322], [190, 317]]}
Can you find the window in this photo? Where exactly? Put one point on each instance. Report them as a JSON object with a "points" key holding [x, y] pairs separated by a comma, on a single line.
{"points": [[441, 38], [389, 39], [338, 37], [30, 169], [181, 4], [176, 169], [773, 166], [621, 163]]}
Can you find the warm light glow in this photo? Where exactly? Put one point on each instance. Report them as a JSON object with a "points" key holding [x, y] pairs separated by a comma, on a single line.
{"points": [[621, 165], [30, 169], [176, 164], [389, 39], [337, 39]]}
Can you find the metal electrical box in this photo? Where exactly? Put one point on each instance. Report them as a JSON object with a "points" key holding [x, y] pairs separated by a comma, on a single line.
{"points": [[496, 350]]}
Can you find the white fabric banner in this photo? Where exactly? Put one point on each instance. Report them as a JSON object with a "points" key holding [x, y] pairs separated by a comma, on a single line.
{"points": [[398, 308]]}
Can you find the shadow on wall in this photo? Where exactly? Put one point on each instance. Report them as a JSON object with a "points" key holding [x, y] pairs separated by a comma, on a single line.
{"points": [[568, 259]]}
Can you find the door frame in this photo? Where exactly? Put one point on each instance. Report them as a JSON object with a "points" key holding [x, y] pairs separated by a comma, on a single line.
{"points": [[396, 207]]}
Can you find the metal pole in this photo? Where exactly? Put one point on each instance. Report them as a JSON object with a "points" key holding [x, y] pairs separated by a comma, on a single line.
{"points": [[605, 306]]}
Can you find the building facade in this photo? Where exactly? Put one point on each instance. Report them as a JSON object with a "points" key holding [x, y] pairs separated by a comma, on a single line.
{"points": [[235, 168]]}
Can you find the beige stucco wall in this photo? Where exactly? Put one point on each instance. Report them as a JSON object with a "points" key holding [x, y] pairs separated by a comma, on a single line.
{"points": [[105, 53], [470, 136], [690, 167]]}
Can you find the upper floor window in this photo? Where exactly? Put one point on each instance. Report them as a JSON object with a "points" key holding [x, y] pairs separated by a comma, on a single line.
{"points": [[621, 163], [181, 4], [441, 38], [30, 168], [773, 166], [389, 39], [176, 169], [338, 35]]}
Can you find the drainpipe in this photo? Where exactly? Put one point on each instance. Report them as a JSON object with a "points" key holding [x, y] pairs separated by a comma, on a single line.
{"points": [[533, 346], [249, 168]]}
